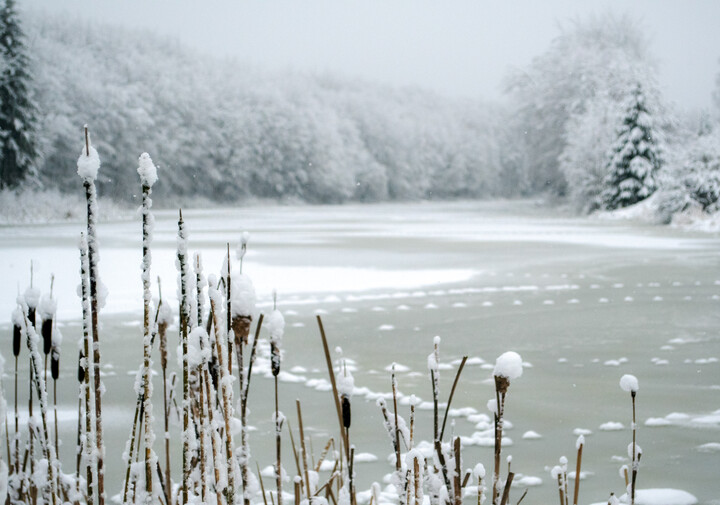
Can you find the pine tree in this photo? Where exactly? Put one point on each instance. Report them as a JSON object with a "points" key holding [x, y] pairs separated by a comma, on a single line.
{"points": [[18, 113], [636, 156]]}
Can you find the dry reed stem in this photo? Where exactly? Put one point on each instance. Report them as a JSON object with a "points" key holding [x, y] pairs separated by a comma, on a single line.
{"points": [[262, 485], [324, 453], [522, 497], [90, 195], [304, 451], [41, 389], [457, 486], [85, 293], [331, 373], [452, 392], [227, 406], [443, 466], [147, 388], [635, 458], [506, 489], [577, 474], [560, 489]]}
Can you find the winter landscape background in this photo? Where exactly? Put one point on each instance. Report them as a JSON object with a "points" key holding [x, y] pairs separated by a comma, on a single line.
{"points": [[570, 214]]}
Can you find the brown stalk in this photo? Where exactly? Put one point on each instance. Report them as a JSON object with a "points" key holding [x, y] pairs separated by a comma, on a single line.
{"points": [[560, 488], [304, 451], [635, 458], [294, 448], [522, 497], [323, 454], [577, 474], [331, 373], [457, 487], [262, 485], [506, 490], [227, 400], [85, 292], [452, 392]]}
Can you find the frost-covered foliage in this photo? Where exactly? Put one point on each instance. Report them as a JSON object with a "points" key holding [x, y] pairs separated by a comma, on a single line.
{"points": [[584, 160], [692, 181], [230, 132], [593, 57], [637, 154]]}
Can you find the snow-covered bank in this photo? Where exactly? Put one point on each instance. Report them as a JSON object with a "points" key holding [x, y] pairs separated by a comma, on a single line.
{"points": [[30, 206], [651, 211]]}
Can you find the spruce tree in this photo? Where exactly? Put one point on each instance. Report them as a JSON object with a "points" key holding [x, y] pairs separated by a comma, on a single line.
{"points": [[636, 156], [18, 113]]}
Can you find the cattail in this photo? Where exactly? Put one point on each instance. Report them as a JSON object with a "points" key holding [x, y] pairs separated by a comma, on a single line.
{"points": [[88, 165], [507, 367], [17, 331], [48, 306], [148, 176], [184, 322], [86, 362], [40, 387], [55, 373], [225, 386], [276, 328], [629, 383], [164, 319]]}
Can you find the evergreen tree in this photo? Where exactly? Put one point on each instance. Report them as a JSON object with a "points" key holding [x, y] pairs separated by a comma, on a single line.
{"points": [[636, 157], [18, 113]]}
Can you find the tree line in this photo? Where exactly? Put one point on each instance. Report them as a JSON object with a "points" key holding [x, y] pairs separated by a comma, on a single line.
{"points": [[585, 122]]}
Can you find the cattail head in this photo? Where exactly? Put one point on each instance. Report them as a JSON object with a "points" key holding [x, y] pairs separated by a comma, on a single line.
{"points": [[17, 331], [147, 170], [81, 367], [507, 367], [88, 163], [276, 328], [55, 363], [346, 411], [345, 386], [46, 332]]}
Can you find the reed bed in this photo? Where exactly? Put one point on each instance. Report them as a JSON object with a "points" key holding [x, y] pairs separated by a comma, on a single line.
{"points": [[219, 330]]}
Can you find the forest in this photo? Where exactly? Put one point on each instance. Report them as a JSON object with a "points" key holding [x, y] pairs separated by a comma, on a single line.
{"points": [[584, 123]]}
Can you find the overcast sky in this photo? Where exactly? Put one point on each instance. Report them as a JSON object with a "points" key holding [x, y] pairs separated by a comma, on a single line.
{"points": [[456, 47]]}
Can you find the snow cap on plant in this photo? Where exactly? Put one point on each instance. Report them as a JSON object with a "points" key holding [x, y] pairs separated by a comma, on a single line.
{"points": [[242, 246], [243, 296], [88, 163], [629, 383], [147, 170], [508, 366]]}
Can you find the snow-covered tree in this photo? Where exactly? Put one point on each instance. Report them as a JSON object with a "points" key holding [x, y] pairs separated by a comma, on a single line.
{"points": [[18, 113], [592, 56], [693, 177], [637, 154], [584, 160]]}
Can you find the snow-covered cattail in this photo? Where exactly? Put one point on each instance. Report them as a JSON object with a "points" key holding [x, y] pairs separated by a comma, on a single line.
{"points": [[17, 331], [148, 176], [243, 307], [276, 328], [48, 306], [346, 385], [88, 165], [32, 300], [508, 367], [629, 383]]}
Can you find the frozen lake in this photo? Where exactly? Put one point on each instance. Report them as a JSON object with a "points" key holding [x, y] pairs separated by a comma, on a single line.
{"points": [[583, 302]]}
